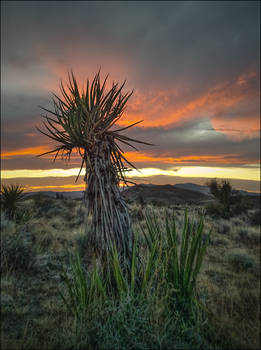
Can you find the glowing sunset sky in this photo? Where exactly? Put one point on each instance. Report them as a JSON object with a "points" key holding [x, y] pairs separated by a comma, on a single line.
{"points": [[194, 67]]}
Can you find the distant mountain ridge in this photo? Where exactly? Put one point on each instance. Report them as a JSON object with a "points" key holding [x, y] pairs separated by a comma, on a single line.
{"points": [[205, 189], [194, 187], [189, 191], [164, 195], [53, 194]]}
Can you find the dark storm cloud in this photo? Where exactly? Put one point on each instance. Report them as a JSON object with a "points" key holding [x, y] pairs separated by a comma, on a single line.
{"points": [[33, 162], [23, 106], [165, 41]]}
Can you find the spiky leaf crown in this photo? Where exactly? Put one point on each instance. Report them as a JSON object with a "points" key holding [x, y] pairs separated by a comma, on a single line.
{"points": [[83, 119]]}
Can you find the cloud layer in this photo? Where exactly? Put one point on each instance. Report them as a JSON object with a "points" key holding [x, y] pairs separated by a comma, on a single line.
{"points": [[194, 67]]}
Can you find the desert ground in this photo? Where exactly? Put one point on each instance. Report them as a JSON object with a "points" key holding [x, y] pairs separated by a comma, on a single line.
{"points": [[36, 248]]}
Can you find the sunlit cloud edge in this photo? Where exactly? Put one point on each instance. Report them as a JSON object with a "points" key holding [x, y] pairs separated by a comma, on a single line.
{"points": [[241, 173]]}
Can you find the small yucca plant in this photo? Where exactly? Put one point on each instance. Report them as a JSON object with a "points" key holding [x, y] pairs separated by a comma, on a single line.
{"points": [[180, 264], [11, 195]]}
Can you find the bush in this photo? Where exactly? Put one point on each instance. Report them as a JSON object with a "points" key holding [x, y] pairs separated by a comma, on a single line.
{"points": [[45, 239], [249, 235], [230, 203], [222, 192], [217, 210], [137, 214], [17, 253], [255, 218], [238, 205], [224, 227], [23, 215], [83, 245], [6, 222], [127, 325], [241, 260]]}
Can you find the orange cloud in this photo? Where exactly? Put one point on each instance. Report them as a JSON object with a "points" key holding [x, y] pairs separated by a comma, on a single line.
{"points": [[143, 157], [31, 151], [162, 108], [51, 187], [133, 157], [220, 104], [64, 188]]}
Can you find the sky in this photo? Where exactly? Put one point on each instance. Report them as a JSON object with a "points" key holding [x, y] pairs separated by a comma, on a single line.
{"points": [[194, 67]]}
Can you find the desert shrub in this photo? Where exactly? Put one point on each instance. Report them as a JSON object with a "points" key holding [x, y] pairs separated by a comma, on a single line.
{"points": [[23, 215], [241, 260], [230, 203], [236, 221], [134, 322], [219, 241], [238, 205], [45, 240], [59, 195], [5, 222], [137, 214], [217, 210], [49, 209], [249, 235], [83, 245], [69, 203], [41, 199], [255, 218], [158, 202], [224, 227], [222, 192], [77, 218], [130, 317], [17, 253], [140, 200]]}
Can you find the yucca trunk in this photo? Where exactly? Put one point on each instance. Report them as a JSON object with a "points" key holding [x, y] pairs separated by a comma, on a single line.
{"points": [[105, 203]]}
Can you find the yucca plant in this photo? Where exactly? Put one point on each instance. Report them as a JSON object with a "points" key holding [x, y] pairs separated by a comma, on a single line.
{"points": [[11, 195], [181, 264], [84, 121]]}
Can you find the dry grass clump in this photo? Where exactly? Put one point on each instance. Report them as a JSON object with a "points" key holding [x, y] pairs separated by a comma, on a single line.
{"points": [[235, 312], [224, 227], [249, 235], [255, 218], [241, 260], [17, 251], [236, 221], [7, 225], [223, 241], [230, 282]]}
